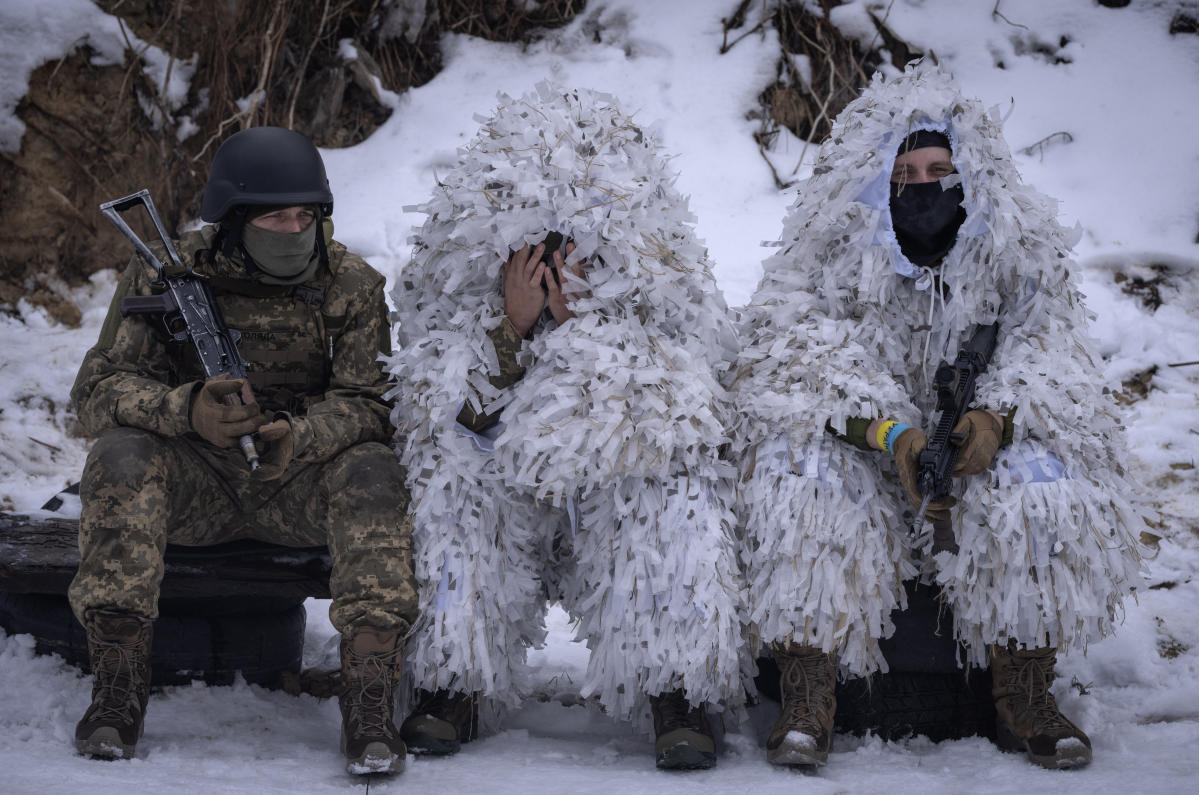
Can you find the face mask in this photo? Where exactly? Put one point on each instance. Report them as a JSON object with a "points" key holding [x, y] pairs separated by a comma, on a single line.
{"points": [[926, 219], [283, 255]]}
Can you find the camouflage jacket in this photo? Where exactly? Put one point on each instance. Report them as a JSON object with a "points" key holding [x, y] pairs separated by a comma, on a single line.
{"points": [[312, 352], [507, 344]]}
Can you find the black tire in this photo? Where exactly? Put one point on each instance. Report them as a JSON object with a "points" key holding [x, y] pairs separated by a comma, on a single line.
{"points": [[925, 692], [186, 646], [902, 704]]}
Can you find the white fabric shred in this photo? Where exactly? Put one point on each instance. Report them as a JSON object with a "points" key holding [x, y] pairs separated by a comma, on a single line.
{"points": [[839, 327], [610, 442]]}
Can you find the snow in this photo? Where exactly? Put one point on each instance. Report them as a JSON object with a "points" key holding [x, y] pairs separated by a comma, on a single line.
{"points": [[34, 33], [1127, 98]]}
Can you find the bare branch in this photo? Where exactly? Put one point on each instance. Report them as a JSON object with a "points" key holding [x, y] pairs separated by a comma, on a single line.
{"points": [[995, 13]]}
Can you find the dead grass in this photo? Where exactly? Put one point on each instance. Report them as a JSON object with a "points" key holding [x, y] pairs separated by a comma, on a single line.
{"points": [[89, 137], [806, 101]]}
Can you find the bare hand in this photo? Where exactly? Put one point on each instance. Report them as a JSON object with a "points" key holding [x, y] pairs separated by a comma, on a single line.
{"points": [[556, 298], [523, 297]]}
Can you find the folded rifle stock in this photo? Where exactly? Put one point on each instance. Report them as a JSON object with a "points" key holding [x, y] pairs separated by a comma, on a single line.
{"points": [[186, 304]]}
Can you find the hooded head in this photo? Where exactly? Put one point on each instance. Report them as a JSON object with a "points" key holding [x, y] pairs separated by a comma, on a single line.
{"points": [[845, 238], [926, 216], [572, 162]]}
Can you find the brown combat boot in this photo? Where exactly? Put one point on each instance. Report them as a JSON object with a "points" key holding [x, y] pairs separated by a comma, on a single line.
{"points": [[682, 736], [803, 733], [370, 669], [1028, 718], [118, 645], [441, 722]]}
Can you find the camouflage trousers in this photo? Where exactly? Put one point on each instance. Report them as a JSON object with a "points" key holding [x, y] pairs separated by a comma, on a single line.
{"points": [[141, 491]]}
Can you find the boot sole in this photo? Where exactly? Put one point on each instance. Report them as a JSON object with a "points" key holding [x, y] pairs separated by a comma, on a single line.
{"points": [[431, 746], [104, 743], [1071, 758], [375, 759], [796, 757], [684, 757]]}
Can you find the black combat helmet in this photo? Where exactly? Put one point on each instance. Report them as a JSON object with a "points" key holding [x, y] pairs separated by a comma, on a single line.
{"points": [[265, 166]]}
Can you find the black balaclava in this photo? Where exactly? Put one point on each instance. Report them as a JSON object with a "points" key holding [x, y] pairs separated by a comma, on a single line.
{"points": [[926, 217]]}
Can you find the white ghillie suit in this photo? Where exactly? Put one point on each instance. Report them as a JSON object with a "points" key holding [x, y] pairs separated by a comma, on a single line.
{"points": [[843, 325], [610, 439]]}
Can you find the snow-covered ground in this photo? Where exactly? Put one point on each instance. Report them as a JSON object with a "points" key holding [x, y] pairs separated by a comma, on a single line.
{"points": [[1127, 93]]}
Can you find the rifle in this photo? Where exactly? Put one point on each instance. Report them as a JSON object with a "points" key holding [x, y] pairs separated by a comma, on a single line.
{"points": [[954, 385], [187, 306]]}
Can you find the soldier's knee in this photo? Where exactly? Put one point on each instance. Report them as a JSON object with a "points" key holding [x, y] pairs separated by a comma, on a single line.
{"points": [[370, 473], [124, 456]]}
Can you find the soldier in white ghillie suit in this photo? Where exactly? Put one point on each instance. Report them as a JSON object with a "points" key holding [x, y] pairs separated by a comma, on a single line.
{"points": [[914, 231], [562, 426]]}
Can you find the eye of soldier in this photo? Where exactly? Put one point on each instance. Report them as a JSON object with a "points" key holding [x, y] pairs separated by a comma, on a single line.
{"points": [[941, 169]]}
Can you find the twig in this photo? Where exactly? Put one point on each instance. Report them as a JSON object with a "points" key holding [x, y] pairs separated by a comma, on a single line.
{"points": [[725, 45], [45, 444], [778, 183], [1040, 146], [295, 94], [995, 13], [241, 117], [1183, 364], [732, 23]]}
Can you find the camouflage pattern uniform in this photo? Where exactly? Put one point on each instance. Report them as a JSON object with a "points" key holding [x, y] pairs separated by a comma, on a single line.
{"points": [[312, 353], [507, 342]]}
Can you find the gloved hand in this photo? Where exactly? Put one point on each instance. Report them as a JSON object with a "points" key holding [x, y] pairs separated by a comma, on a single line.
{"points": [[217, 414], [907, 459], [983, 432], [275, 449]]}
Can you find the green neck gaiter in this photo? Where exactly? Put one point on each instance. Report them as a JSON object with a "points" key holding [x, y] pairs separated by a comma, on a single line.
{"points": [[285, 257]]}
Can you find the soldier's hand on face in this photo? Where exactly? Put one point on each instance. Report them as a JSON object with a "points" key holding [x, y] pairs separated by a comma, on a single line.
{"points": [[223, 410], [523, 297], [556, 298], [907, 450], [275, 449], [983, 432]]}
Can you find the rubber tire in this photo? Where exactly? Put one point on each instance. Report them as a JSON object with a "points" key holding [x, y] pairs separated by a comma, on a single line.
{"points": [[186, 646], [924, 693]]}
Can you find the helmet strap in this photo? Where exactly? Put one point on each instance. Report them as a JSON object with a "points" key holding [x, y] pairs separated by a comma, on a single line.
{"points": [[322, 251], [231, 230]]}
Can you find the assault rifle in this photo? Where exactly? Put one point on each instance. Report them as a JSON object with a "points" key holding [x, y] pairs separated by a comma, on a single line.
{"points": [[954, 385], [187, 306]]}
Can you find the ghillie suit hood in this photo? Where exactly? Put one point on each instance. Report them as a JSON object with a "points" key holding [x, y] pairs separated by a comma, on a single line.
{"points": [[627, 392], [843, 325]]}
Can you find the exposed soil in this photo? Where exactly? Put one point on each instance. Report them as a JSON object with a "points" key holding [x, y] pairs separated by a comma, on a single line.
{"points": [[90, 138]]}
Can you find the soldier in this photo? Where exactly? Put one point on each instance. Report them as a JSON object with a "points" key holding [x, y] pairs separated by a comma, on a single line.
{"points": [[166, 466], [562, 418], [913, 232]]}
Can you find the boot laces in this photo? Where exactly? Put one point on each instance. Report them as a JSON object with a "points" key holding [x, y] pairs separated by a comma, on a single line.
{"points": [[119, 677], [1031, 677], [807, 692], [675, 712], [369, 693]]}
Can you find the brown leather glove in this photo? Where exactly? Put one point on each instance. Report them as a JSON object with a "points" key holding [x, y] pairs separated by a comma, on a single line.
{"points": [[907, 459], [275, 449], [983, 432], [219, 416]]}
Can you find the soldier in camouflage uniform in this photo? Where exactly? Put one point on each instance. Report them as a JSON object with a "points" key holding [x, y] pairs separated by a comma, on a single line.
{"points": [[557, 282], [166, 466]]}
